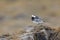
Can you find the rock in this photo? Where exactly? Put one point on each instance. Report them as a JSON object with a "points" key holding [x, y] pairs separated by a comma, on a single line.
{"points": [[27, 36], [39, 36], [28, 28]]}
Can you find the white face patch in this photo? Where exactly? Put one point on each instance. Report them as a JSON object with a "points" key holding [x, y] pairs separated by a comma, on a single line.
{"points": [[33, 16]]}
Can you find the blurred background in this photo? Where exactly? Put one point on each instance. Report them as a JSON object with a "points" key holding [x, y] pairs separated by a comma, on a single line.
{"points": [[15, 14]]}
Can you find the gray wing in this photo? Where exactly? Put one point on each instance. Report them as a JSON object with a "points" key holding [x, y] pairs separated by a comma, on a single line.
{"points": [[37, 19]]}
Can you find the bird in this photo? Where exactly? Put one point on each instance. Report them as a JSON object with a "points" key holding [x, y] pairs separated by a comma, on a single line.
{"points": [[36, 19]]}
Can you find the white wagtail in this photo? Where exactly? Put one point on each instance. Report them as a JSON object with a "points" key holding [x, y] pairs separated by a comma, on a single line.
{"points": [[36, 19]]}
